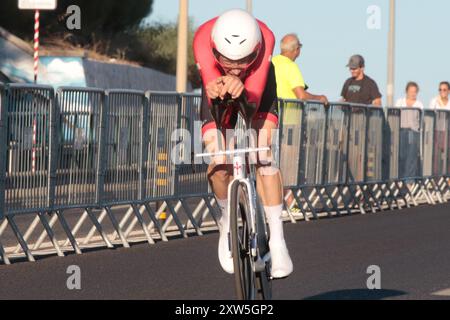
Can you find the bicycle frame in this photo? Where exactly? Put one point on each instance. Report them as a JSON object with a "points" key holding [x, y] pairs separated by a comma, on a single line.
{"points": [[241, 177]]}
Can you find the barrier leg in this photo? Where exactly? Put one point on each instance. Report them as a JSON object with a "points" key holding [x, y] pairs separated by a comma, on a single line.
{"points": [[152, 215], [141, 211], [426, 193], [342, 194], [302, 209], [3, 226], [331, 200], [28, 232], [68, 232], [393, 193], [403, 195], [308, 202], [116, 227], [94, 227], [387, 196], [374, 198], [3, 255], [176, 219], [19, 237], [99, 228], [324, 203], [207, 211], [356, 199], [122, 222], [143, 224], [196, 212], [375, 203], [382, 193], [288, 208], [41, 238], [50, 233], [187, 210], [398, 194], [211, 209], [77, 226], [436, 190], [170, 218]]}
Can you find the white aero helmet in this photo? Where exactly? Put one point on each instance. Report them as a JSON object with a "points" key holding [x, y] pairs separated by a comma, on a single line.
{"points": [[236, 35]]}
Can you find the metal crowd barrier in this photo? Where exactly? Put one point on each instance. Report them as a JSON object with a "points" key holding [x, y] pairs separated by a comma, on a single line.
{"points": [[84, 167]]}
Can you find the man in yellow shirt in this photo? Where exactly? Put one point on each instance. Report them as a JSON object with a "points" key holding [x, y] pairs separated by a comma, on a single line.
{"points": [[291, 85]]}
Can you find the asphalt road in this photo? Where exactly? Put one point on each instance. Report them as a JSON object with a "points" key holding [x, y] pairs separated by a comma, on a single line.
{"points": [[331, 257]]}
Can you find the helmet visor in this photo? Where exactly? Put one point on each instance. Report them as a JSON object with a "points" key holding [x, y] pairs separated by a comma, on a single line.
{"points": [[243, 63]]}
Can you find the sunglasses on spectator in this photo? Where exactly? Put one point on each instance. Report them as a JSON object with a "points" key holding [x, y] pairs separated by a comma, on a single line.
{"points": [[443, 90]]}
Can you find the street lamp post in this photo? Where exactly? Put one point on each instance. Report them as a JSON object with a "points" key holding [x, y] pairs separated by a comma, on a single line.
{"points": [[249, 6], [391, 55], [182, 47]]}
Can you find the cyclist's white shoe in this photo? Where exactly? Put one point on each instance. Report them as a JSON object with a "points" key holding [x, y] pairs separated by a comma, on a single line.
{"points": [[225, 257], [281, 261]]}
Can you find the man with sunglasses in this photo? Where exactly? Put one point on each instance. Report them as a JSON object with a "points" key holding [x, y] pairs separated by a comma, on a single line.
{"points": [[360, 88], [233, 54]]}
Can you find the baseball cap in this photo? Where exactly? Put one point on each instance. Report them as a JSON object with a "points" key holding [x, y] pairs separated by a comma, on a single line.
{"points": [[356, 61]]}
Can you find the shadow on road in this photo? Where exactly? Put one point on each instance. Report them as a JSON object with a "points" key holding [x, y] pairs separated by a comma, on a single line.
{"points": [[357, 294]]}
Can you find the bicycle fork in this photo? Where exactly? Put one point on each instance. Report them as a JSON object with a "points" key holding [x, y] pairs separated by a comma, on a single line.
{"points": [[240, 178]]}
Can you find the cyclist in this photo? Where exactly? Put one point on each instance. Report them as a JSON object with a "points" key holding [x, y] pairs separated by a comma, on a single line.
{"points": [[233, 53]]}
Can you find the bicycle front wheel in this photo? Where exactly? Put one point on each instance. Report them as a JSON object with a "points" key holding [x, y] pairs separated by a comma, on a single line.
{"points": [[240, 242]]}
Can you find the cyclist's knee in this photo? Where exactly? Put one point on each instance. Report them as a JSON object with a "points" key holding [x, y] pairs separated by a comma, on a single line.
{"points": [[220, 172], [266, 165], [267, 170]]}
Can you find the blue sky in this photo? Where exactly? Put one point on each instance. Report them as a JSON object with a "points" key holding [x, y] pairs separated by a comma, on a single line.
{"points": [[333, 30]]}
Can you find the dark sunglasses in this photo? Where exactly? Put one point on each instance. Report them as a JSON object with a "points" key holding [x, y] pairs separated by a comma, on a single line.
{"points": [[227, 63], [442, 90]]}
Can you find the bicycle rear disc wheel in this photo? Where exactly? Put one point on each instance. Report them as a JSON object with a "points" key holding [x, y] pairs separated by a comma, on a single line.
{"points": [[240, 242]]}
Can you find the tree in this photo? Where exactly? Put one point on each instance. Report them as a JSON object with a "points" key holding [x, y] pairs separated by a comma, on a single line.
{"points": [[156, 46], [108, 27], [98, 17]]}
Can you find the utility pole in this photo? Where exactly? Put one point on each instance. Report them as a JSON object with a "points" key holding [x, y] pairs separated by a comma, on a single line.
{"points": [[182, 48], [249, 6], [391, 55]]}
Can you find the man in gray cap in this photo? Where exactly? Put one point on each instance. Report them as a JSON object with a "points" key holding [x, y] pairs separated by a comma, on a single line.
{"points": [[360, 88]]}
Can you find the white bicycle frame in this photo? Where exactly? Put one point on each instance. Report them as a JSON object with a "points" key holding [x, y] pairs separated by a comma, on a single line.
{"points": [[240, 178]]}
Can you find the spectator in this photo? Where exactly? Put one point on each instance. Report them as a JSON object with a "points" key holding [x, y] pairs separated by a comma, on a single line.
{"points": [[360, 88], [291, 85], [409, 157], [441, 101], [412, 90]]}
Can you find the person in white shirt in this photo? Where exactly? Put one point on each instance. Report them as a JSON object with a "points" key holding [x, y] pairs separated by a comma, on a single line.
{"points": [[441, 101], [409, 163], [412, 91]]}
